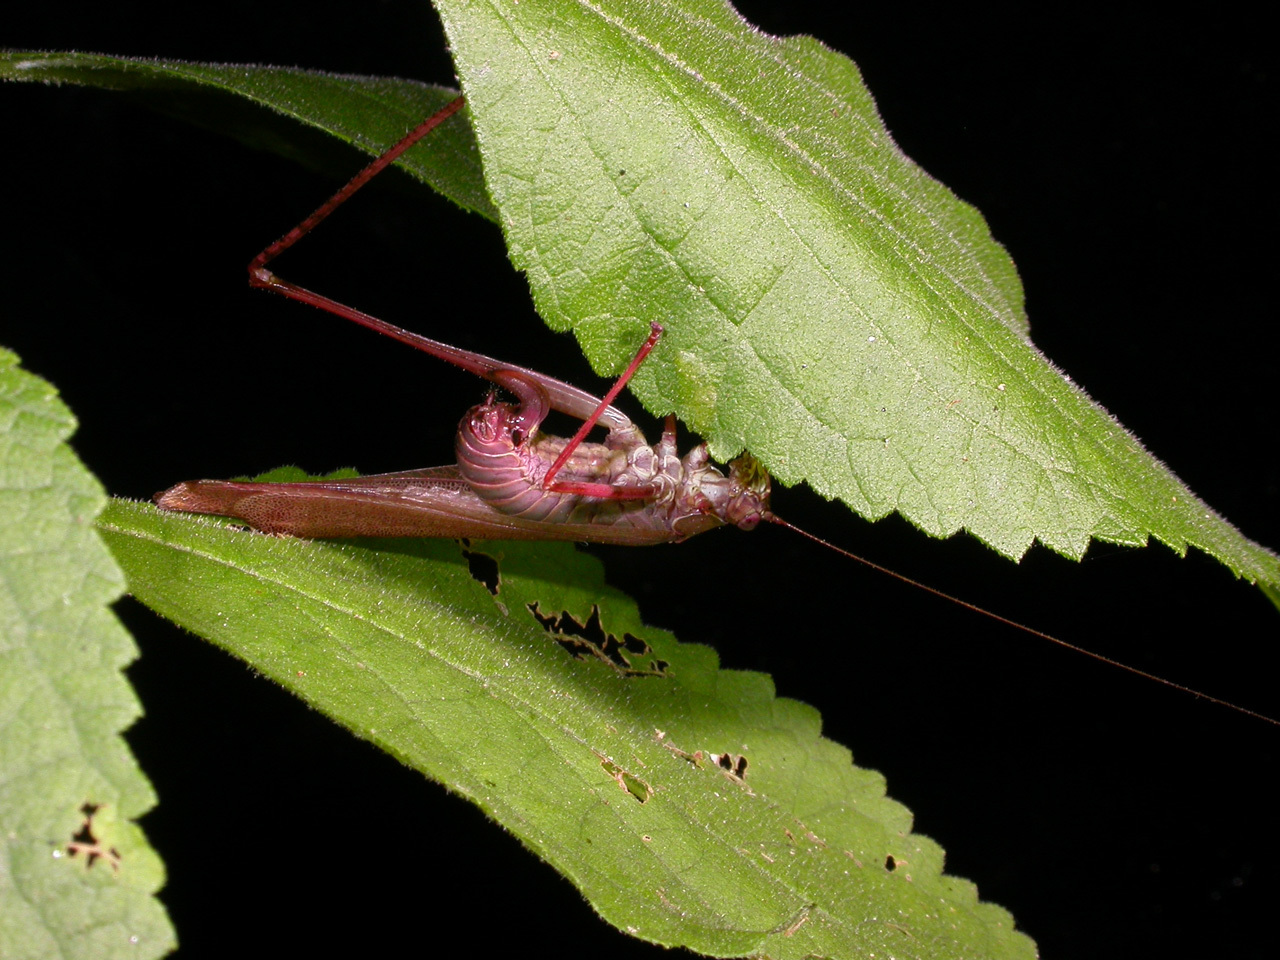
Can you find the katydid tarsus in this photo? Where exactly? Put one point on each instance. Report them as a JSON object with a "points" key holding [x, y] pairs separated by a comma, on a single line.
{"points": [[513, 482]]}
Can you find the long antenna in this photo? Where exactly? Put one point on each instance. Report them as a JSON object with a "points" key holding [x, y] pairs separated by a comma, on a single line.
{"points": [[1075, 648]]}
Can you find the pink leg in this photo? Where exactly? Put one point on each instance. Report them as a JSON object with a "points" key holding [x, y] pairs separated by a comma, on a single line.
{"points": [[602, 491], [562, 396], [259, 276]]}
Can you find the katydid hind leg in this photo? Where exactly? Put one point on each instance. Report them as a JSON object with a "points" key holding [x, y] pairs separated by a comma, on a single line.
{"points": [[536, 391], [562, 396]]}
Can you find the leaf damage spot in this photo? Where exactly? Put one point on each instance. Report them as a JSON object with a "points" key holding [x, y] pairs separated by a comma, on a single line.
{"points": [[799, 921], [890, 863], [693, 759], [733, 764], [85, 842], [482, 567], [627, 782], [626, 654]]}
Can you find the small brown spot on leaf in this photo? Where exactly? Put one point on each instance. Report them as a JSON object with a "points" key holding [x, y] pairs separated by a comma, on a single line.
{"points": [[694, 758], [85, 843], [627, 782], [800, 922], [796, 922], [734, 764]]}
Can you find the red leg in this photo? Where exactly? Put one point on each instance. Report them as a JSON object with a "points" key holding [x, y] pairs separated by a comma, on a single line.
{"points": [[562, 396], [259, 276], [602, 491]]}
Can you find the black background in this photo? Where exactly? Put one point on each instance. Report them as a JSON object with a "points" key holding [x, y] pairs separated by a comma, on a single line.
{"points": [[1127, 165]]}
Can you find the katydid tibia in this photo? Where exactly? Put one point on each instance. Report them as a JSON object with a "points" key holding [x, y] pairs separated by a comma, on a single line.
{"points": [[512, 482]]}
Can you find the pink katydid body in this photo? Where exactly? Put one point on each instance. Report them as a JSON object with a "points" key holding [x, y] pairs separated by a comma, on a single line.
{"points": [[511, 481]]}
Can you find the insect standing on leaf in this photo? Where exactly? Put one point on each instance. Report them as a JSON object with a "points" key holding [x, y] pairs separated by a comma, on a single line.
{"points": [[512, 482]]}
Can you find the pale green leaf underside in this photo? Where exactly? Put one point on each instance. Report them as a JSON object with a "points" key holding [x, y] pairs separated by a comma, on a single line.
{"points": [[65, 771], [829, 306], [608, 776]]}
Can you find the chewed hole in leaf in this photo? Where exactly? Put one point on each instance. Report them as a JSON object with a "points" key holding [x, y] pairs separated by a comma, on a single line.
{"points": [[84, 842], [627, 781], [483, 568], [734, 764], [890, 863], [626, 654]]}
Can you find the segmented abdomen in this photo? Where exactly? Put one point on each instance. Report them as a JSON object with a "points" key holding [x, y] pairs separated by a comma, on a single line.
{"points": [[508, 474]]}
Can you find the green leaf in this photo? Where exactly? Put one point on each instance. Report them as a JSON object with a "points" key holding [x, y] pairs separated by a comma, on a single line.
{"points": [[370, 113], [829, 307], [77, 877], [690, 804]]}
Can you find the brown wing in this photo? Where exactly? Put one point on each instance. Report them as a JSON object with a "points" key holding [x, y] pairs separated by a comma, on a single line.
{"points": [[432, 502]]}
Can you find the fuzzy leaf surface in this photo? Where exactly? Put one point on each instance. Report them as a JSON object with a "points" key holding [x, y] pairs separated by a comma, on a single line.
{"points": [[77, 876], [610, 749]]}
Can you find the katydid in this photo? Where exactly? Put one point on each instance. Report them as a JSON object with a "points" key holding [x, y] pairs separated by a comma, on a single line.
{"points": [[512, 482]]}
